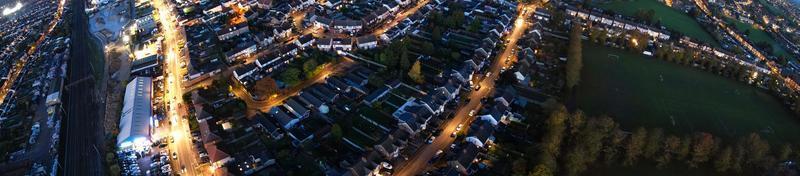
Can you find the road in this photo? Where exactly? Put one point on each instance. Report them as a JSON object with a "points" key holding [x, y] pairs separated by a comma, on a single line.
{"points": [[173, 35], [746, 44], [399, 18], [419, 162], [265, 105], [82, 133]]}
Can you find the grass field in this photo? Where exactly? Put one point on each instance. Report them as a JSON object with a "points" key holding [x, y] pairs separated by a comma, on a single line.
{"points": [[670, 18], [758, 35], [771, 8], [643, 91]]}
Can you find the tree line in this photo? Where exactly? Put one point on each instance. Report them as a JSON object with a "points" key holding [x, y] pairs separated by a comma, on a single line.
{"points": [[572, 142]]}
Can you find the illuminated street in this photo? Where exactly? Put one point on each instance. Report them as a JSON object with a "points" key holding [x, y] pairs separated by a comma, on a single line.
{"points": [[419, 161], [265, 105], [173, 34]]}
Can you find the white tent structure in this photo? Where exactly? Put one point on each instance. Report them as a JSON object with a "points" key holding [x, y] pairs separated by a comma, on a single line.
{"points": [[137, 113]]}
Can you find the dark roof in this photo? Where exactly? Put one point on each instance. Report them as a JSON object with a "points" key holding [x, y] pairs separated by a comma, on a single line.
{"points": [[146, 61], [305, 38], [346, 23], [310, 99], [266, 124], [280, 116], [377, 93], [336, 83], [367, 39], [294, 106], [246, 68]]}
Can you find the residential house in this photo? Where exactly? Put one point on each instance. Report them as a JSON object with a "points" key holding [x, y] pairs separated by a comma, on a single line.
{"points": [[367, 42]]}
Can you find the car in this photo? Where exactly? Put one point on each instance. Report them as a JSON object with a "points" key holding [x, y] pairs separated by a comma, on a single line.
{"points": [[453, 135], [437, 132], [183, 169], [439, 152], [174, 155], [472, 113], [458, 128], [478, 87], [452, 146], [488, 74], [430, 140]]}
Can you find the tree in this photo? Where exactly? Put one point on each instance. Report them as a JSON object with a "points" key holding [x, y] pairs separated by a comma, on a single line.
{"points": [[685, 148], [576, 122], [291, 76], [404, 62], [415, 73], [701, 151], [633, 149], [588, 144], [519, 167], [336, 131], [611, 151], [265, 87], [724, 160], [574, 57], [671, 146], [756, 150], [114, 170], [738, 156], [785, 152], [575, 160], [436, 35], [654, 143], [554, 134], [541, 170], [475, 25], [309, 67], [376, 80]]}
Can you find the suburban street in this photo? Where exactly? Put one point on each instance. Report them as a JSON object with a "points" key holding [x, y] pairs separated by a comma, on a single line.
{"points": [[419, 162], [265, 105], [399, 18], [775, 69], [187, 155], [82, 132]]}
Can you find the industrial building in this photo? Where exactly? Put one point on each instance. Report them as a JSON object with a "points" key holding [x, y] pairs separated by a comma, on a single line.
{"points": [[137, 111]]}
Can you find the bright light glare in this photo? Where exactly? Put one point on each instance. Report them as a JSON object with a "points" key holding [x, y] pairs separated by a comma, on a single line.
{"points": [[9, 11], [175, 134]]}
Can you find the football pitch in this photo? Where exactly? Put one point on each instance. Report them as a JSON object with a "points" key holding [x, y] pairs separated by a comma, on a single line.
{"points": [[643, 91]]}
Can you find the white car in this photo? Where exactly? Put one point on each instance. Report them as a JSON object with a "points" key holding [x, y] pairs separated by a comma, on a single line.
{"points": [[430, 140], [458, 128], [472, 113]]}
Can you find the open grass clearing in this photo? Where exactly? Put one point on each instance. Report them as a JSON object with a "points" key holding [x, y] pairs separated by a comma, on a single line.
{"points": [[644, 91]]}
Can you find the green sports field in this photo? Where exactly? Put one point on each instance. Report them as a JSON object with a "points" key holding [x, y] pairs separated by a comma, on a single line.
{"points": [[644, 91], [758, 35], [670, 18]]}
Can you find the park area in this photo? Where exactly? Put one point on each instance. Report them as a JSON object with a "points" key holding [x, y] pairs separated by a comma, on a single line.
{"points": [[670, 18], [644, 91], [758, 36]]}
